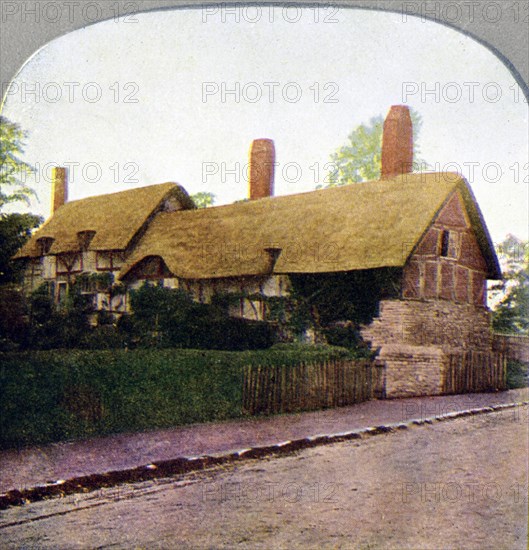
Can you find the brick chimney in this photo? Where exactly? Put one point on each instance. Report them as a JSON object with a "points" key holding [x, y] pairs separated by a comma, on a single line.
{"points": [[397, 143], [59, 177], [262, 158]]}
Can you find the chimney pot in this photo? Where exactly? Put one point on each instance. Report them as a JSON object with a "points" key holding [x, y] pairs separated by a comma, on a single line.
{"points": [[397, 143], [59, 176], [262, 158]]}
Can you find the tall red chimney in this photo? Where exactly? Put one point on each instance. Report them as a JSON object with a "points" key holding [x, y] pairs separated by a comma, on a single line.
{"points": [[397, 143], [262, 158], [59, 177]]}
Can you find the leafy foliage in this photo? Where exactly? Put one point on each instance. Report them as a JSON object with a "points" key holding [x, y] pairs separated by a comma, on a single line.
{"points": [[291, 314], [351, 296], [332, 305], [13, 170], [66, 394], [13, 317], [161, 317], [360, 159], [69, 324], [15, 230], [203, 199], [164, 317], [517, 374], [511, 314], [64, 327]]}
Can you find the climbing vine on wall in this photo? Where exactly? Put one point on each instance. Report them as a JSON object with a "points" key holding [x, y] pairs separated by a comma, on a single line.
{"points": [[334, 305], [290, 314]]}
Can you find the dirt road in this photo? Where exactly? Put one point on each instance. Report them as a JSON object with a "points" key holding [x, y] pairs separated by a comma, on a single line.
{"points": [[457, 484], [31, 466]]}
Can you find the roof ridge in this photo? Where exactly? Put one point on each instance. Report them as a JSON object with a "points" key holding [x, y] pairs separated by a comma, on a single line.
{"points": [[132, 189], [334, 229], [349, 186]]}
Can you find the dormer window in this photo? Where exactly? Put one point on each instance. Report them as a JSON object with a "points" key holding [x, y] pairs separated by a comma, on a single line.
{"points": [[85, 238], [44, 244]]}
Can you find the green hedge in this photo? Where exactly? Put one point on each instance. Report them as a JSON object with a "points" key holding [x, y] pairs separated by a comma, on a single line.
{"points": [[517, 374], [61, 395]]}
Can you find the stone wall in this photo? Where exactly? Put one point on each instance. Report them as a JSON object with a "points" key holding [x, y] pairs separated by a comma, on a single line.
{"points": [[450, 326], [413, 370], [415, 338]]}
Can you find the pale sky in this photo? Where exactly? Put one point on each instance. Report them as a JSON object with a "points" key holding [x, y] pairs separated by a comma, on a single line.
{"points": [[363, 61]]}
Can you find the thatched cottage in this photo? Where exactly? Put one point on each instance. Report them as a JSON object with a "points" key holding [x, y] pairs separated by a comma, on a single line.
{"points": [[423, 232]]}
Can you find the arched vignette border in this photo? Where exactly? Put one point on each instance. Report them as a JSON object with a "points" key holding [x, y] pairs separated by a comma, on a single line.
{"points": [[16, 48]]}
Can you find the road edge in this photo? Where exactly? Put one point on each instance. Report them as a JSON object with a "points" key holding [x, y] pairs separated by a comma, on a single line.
{"points": [[185, 464]]}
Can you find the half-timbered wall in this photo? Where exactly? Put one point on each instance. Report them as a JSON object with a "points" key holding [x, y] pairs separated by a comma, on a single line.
{"points": [[275, 285], [447, 263]]}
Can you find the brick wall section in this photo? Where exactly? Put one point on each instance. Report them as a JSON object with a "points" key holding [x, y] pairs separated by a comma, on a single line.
{"points": [[413, 370], [513, 346], [450, 326]]}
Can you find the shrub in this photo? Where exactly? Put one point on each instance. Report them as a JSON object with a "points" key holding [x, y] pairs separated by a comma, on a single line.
{"points": [[517, 374], [103, 336], [164, 317], [13, 318], [66, 394]]}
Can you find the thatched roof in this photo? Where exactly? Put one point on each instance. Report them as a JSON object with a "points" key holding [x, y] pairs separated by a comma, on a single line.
{"points": [[115, 218], [360, 226]]}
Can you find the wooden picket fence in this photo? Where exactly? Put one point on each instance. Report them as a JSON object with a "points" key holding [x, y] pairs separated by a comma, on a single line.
{"points": [[474, 371], [305, 387]]}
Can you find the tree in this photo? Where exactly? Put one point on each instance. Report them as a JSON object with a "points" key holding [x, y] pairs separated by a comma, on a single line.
{"points": [[511, 311], [15, 230], [203, 199], [360, 159], [13, 170], [13, 318]]}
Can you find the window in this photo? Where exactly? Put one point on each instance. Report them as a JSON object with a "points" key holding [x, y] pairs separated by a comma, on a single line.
{"points": [[449, 245], [62, 291], [44, 244], [87, 283], [84, 238], [445, 243]]}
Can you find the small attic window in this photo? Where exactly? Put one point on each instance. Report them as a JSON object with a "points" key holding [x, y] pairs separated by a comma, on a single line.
{"points": [[85, 238], [445, 243], [44, 244]]}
